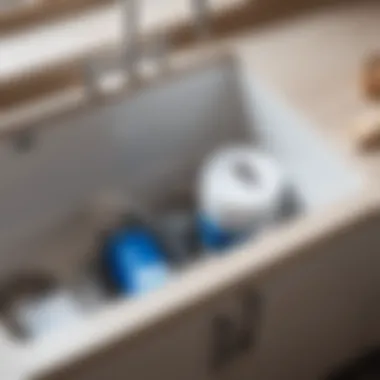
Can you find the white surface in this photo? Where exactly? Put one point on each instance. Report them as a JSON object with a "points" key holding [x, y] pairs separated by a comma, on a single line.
{"points": [[117, 146], [14, 358], [234, 201], [53, 312], [320, 172]]}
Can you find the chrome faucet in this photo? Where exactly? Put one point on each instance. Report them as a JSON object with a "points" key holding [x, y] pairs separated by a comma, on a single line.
{"points": [[130, 35], [202, 15], [90, 76]]}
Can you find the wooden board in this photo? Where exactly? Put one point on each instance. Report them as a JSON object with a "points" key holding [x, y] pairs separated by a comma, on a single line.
{"points": [[24, 16]]}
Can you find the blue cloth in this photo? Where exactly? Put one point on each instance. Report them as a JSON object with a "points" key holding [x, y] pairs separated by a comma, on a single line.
{"points": [[135, 261]]}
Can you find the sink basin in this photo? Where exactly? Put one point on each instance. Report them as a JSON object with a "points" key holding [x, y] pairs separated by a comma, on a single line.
{"points": [[151, 144]]}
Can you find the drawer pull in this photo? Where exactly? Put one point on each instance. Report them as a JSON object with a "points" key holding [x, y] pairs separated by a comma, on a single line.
{"points": [[234, 336]]}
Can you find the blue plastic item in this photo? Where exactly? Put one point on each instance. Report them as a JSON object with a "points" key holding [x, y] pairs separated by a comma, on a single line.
{"points": [[215, 238], [135, 261]]}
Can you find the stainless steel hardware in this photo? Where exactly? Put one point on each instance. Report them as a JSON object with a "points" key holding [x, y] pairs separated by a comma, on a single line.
{"points": [[235, 336], [91, 77], [130, 38], [201, 11]]}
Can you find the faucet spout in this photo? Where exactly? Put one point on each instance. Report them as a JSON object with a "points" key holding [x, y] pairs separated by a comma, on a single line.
{"points": [[130, 34]]}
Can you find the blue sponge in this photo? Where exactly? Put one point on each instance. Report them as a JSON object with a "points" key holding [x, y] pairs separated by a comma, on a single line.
{"points": [[135, 261]]}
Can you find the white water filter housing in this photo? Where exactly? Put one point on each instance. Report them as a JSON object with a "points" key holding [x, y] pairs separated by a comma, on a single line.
{"points": [[241, 189]]}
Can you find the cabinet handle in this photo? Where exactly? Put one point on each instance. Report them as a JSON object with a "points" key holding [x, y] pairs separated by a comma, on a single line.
{"points": [[224, 333], [250, 322], [234, 336]]}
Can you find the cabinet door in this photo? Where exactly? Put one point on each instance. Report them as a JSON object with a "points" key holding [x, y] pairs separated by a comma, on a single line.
{"points": [[294, 319]]}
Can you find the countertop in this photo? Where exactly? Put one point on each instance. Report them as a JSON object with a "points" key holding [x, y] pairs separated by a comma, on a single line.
{"points": [[315, 62]]}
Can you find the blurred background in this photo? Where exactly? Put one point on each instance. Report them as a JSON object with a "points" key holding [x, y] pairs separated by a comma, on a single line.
{"points": [[188, 189]]}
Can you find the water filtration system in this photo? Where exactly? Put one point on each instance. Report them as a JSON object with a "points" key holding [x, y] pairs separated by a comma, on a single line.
{"points": [[241, 190]]}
